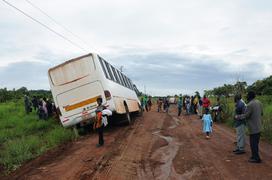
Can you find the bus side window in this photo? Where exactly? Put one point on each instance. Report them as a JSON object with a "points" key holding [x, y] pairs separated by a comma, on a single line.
{"points": [[118, 77], [103, 67], [109, 70], [124, 79], [112, 70], [115, 75], [126, 82], [130, 83], [121, 79]]}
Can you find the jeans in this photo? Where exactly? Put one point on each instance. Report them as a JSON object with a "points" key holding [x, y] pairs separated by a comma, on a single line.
{"points": [[254, 145], [240, 133], [100, 135]]}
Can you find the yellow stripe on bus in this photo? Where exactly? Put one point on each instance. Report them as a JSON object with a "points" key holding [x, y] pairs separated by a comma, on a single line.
{"points": [[80, 104]]}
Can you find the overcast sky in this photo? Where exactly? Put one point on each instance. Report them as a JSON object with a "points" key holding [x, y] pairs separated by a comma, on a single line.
{"points": [[170, 47]]}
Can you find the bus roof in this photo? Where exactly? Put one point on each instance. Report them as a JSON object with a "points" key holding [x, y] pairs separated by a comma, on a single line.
{"points": [[69, 61]]}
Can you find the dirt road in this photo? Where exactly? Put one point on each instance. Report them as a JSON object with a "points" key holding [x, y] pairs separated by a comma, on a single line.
{"points": [[156, 146]]}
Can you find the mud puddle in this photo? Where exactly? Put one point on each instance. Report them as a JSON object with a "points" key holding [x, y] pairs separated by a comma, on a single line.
{"points": [[165, 155]]}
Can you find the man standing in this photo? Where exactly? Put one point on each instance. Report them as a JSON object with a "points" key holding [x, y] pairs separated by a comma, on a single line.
{"points": [[179, 105], [98, 123], [27, 104], [253, 114], [240, 124]]}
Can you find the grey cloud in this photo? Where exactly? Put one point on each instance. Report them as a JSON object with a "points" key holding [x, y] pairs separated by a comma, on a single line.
{"points": [[32, 75], [164, 72], [173, 71]]}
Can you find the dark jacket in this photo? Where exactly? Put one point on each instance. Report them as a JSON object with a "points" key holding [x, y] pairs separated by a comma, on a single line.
{"points": [[240, 108], [253, 115]]}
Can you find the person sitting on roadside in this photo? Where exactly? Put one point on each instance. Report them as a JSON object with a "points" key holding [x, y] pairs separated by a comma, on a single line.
{"points": [[240, 124], [207, 123]]}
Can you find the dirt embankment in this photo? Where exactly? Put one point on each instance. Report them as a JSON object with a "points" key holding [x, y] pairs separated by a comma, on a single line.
{"points": [[156, 146]]}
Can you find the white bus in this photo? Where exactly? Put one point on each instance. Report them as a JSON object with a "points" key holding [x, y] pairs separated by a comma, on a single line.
{"points": [[76, 84]]}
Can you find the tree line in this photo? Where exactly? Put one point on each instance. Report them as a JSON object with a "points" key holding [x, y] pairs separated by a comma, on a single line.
{"points": [[260, 87], [16, 94]]}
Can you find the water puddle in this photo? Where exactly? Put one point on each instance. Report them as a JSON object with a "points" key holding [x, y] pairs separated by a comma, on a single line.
{"points": [[165, 155], [176, 123]]}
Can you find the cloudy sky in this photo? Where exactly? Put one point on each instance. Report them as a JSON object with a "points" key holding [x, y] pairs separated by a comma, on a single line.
{"points": [[169, 47]]}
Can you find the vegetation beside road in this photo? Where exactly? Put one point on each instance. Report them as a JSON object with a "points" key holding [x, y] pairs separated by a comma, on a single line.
{"points": [[24, 137], [263, 89]]}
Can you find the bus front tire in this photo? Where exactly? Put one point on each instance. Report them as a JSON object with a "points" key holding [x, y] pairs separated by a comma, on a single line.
{"points": [[127, 115]]}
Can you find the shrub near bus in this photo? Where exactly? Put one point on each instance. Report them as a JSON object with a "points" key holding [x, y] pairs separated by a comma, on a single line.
{"points": [[77, 83]]}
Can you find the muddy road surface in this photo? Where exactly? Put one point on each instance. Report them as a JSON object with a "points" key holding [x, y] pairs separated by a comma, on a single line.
{"points": [[155, 146]]}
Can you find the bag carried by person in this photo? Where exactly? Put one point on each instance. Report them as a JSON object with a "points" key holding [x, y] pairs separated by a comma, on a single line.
{"points": [[105, 114]]}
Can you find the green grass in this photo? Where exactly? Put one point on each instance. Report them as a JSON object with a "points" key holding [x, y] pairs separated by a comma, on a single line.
{"points": [[24, 137], [228, 108]]}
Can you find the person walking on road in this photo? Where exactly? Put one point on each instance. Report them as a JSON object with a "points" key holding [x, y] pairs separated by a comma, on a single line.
{"points": [[240, 124], [253, 115], [200, 107], [179, 105], [187, 104], [207, 123], [149, 103], [144, 103], [205, 102], [159, 103], [165, 105]]}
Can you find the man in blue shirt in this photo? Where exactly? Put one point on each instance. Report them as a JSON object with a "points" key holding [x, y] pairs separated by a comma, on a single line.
{"points": [[240, 124]]}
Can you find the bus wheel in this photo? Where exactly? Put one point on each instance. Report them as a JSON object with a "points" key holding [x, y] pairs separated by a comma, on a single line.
{"points": [[128, 118], [140, 112]]}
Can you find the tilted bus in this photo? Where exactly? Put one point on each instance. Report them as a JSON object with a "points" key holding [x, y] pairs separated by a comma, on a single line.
{"points": [[77, 83]]}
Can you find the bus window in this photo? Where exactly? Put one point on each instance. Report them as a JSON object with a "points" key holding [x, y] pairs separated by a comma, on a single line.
{"points": [[120, 77], [123, 77], [126, 81], [103, 67], [113, 73], [130, 84], [109, 70], [117, 76]]}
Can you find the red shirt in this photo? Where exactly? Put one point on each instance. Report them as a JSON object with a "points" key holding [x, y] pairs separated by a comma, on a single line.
{"points": [[206, 102]]}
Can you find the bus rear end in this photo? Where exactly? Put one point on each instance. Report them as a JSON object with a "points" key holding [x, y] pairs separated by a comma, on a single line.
{"points": [[75, 88]]}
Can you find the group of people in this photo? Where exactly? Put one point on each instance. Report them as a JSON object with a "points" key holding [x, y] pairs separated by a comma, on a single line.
{"points": [[44, 108], [146, 103], [163, 104], [249, 114]]}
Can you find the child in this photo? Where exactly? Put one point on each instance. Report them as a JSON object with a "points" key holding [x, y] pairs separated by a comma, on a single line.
{"points": [[207, 123]]}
